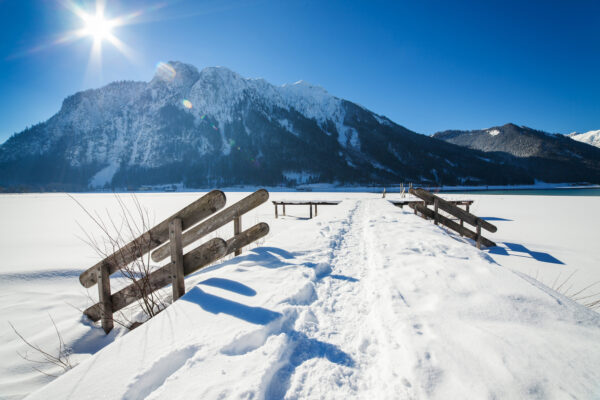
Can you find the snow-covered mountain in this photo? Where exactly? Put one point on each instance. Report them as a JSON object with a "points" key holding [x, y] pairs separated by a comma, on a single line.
{"points": [[213, 127], [548, 157], [591, 137]]}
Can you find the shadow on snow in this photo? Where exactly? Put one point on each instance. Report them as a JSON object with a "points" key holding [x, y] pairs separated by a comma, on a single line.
{"points": [[519, 248]]}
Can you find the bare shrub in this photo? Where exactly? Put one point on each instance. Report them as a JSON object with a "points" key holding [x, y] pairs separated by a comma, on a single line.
{"points": [[41, 358], [116, 234], [583, 296]]}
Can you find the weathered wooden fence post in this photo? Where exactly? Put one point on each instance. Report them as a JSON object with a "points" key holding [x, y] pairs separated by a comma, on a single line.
{"points": [[237, 228], [310, 208], [478, 234], [283, 209], [276, 215], [104, 298], [435, 206], [316, 213], [176, 258]]}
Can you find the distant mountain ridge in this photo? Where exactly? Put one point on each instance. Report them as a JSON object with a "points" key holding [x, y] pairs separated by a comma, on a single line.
{"points": [[548, 157], [591, 137], [214, 128]]}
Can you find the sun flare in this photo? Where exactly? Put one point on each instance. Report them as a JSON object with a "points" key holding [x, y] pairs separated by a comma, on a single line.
{"points": [[98, 27]]}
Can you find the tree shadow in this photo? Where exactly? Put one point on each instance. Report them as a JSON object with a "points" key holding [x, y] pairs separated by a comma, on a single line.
{"points": [[525, 252], [216, 305], [228, 284]]}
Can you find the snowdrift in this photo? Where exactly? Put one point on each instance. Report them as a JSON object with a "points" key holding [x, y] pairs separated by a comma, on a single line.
{"points": [[365, 302]]}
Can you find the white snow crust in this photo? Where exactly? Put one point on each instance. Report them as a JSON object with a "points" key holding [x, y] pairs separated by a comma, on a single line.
{"points": [[364, 301]]}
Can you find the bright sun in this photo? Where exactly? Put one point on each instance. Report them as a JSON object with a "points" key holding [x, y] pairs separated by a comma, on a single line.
{"points": [[98, 27]]}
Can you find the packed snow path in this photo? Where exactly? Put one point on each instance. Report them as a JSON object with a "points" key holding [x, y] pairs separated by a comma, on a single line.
{"points": [[368, 301]]}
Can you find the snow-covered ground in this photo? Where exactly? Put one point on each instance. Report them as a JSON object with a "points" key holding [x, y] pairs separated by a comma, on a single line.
{"points": [[364, 301]]}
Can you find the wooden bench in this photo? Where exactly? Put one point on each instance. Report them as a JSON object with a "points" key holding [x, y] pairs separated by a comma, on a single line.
{"points": [[310, 205]]}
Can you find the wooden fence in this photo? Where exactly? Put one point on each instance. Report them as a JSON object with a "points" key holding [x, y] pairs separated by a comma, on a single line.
{"points": [[169, 239], [452, 209]]}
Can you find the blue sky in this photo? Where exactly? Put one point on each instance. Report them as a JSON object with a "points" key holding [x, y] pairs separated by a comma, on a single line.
{"points": [[427, 65]]}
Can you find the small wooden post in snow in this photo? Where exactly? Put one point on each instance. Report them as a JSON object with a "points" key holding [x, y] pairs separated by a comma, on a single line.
{"points": [[237, 228], [104, 298], [435, 207], [478, 235], [176, 258]]}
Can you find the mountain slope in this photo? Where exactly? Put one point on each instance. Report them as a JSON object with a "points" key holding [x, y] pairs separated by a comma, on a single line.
{"points": [[548, 157], [591, 137], [213, 127]]}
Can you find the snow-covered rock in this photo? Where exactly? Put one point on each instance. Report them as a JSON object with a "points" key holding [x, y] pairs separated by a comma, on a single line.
{"points": [[591, 137]]}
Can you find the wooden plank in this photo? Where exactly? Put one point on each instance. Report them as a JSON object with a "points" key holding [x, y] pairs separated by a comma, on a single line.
{"points": [[204, 255], [237, 229], [453, 210], [216, 221], [310, 209], [436, 210], [275, 204], [478, 235], [190, 215], [283, 209], [176, 258], [105, 303], [451, 224], [246, 237], [316, 212]]}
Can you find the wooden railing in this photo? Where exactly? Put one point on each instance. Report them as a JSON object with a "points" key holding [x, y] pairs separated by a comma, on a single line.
{"points": [[452, 209], [169, 239]]}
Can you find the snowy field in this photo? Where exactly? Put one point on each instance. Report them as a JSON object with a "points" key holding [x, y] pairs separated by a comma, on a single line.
{"points": [[364, 301]]}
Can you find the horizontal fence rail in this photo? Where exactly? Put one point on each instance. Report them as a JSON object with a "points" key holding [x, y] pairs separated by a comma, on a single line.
{"points": [[215, 222], [190, 215], [452, 209], [170, 234], [193, 261], [430, 214]]}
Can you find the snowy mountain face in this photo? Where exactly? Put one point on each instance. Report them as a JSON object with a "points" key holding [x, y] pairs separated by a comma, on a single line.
{"points": [[548, 157], [213, 127], [591, 137]]}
